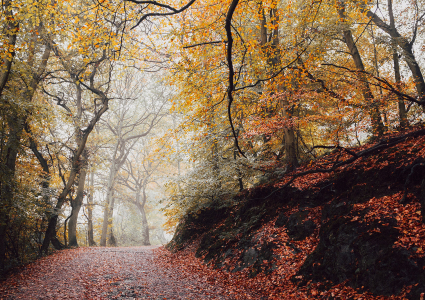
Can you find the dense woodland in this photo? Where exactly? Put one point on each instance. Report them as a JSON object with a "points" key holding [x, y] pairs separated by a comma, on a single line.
{"points": [[121, 118]]}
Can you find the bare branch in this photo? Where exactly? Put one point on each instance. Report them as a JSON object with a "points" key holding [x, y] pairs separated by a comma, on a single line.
{"points": [[231, 85], [172, 10], [206, 43]]}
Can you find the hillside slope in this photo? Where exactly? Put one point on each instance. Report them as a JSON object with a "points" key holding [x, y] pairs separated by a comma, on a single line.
{"points": [[351, 226]]}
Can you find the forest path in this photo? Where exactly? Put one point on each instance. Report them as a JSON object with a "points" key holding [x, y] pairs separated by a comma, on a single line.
{"points": [[107, 273]]}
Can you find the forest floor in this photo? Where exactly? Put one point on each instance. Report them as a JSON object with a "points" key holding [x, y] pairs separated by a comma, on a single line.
{"points": [[111, 273]]}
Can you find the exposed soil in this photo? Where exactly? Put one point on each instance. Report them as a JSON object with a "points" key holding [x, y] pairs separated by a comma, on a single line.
{"points": [[108, 273]]}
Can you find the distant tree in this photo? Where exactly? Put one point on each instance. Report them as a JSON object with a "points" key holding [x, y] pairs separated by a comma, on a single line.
{"points": [[137, 173], [135, 115]]}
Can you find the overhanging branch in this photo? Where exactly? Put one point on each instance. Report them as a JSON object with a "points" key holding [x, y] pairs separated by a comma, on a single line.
{"points": [[171, 10], [231, 85]]}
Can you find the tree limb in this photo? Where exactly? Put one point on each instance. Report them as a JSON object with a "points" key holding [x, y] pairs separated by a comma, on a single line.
{"points": [[172, 10], [231, 85], [206, 43]]}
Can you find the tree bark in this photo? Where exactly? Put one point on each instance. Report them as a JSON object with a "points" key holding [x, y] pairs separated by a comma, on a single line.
{"points": [[15, 125], [78, 201], [56, 243], [90, 236]]}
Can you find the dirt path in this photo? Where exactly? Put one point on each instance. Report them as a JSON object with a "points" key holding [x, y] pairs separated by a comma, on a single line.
{"points": [[106, 273]]}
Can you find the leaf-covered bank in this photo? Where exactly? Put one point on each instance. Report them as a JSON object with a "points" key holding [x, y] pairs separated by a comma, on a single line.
{"points": [[353, 230]]}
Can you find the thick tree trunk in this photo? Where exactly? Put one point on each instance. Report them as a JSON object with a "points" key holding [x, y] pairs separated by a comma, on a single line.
{"points": [[53, 219], [108, 210], [8, 169], [56, 243], [50, 233], [15, 120], [110, 191], [78, 201], [3, 226]]}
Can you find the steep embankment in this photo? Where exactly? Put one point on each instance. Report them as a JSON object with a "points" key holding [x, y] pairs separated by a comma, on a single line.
{"points": [[354, 229]]}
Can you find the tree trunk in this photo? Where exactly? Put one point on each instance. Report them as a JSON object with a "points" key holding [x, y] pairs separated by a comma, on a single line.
{"points": [[78, 201], [112, 242], [7, 183], [375, 115], [275, 61], [401, 106], [51, 227], [145, 226], [104, 223], [111, 238], [15, 120], [3, 226], [90, 237], [108, 204], [56, 243], [402, 112], [110, 191], [291, 147], [107, 213], [238, 171]]}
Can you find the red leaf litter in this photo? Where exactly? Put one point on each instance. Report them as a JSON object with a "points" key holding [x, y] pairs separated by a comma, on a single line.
{"points": [[112, 273]]}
